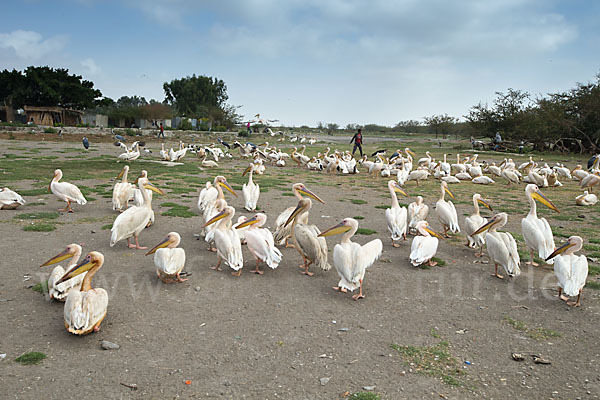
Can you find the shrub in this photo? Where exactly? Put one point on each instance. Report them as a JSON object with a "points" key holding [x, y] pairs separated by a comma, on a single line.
{"points": [[49, 130]]}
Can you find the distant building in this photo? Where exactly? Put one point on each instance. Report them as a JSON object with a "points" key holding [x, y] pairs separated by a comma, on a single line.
{"points": [[53, 115], [94, 119]]}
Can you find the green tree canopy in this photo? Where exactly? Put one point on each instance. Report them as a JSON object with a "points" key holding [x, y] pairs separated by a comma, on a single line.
{"points": [[196, 96], [47, 87]]}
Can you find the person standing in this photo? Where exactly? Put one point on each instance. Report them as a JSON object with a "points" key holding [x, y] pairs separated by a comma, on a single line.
{"points": [[248, 130], [358, 141], [161, 132]]}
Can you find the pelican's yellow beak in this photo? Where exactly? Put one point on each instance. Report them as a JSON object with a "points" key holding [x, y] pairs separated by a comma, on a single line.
{"points": [[544, 200], [398, 189], [161, 245], [485, 227], [433, 233], [65, 255], [121, 174], [560, 250], [50, 187], [216, 218], [412, 153], [246, 171], [137, 179], [246, 223], [229, 188], [449, 192], [485, 204], [307, 192], [150, 186], [78, 269], [336, 230], [294, 214]]}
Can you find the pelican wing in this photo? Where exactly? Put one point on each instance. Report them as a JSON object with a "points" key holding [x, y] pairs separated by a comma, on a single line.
{"points": [[61, 291], [396, 221], [208, 195], [313, 247], [472, 223], [344, 265], [261, 244], [502, 249], [251, 193], [10, 199], [572, 273], [83, 310], [367, 254], [282, 232], [229, 248], [133, 220], [447, 215], [68, 191], [422, 249], [168, 261], [538, 236]]}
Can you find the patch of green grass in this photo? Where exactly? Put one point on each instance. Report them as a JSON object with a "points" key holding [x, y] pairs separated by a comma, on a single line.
{"points": [[593, 240], [594, 255], [358, 217], [33, 192], [106, 227], [39, 227], [41, 287], [169, 204], [538, 334], [593, 270], [365, 231], [440, 262], [179, 211], [287, 194], [39, 203], [382, 207], [593, 285], [358, 201], [591, 247], [364, 396], [30, 358], [433, 360], [38, 215]]}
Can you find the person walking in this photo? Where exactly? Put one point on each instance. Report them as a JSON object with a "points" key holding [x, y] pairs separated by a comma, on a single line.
{"points": [[161, 132], [358, 142]]}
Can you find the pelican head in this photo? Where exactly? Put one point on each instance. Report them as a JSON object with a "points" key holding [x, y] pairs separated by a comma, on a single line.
{"points": [[477, 197], [497, 221], [171, 241], [534, 192], [409, 151], [445, 189], [57, 175], [148, 185], [93, 259], [259, 219], [424, 229], [573, 244], [144, 174], [343, 227], [304, 190], [227, 211], [123, 171], [394, 186], [71, 251], [222, 181], [303, 204]]}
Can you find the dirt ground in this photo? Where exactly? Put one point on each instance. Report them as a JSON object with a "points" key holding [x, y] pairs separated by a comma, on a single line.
{"points": [[276, 336]]}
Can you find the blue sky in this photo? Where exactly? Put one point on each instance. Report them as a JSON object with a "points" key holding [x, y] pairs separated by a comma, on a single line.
{"points": [[305, 61]]}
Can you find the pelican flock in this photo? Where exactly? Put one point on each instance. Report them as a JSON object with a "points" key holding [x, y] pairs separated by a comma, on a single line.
{"points": [[85, 307]]}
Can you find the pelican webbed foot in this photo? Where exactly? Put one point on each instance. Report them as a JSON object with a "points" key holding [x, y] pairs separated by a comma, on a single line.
{"points": [[340, 289]]}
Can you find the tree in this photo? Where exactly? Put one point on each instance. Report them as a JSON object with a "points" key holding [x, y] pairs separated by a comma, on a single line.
{"points": [[12, 86], [440, 123], [332, 127], [195, 96]]}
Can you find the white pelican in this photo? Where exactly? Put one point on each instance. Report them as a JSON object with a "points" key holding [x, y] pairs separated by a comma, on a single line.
{"points": [[209, 195], [450, 179], [164, 154], [122, 191], [130, 154], [59, 292], [396, 216], [510, 175], [251, 190], [138, 200], [350, 259], [283, 231], [418, 175], [483, 180], [586, 199], [463, 176], [501, 246], [10, 200], [536, 231], [169, 259], [66, 191], [570, 270], [260, 242], [579, 173], [417, 211], [312, 248], [458, 167], [447, 212], [590, 181], [424, 247], [85, 308], [209, 163], [474, 222], [227, 242], [132, 221], [425, 160]]}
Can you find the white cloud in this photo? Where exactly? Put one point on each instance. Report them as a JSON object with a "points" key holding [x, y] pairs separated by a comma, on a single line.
{"points": [[30, 45], [90, 66]]}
